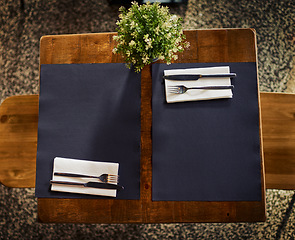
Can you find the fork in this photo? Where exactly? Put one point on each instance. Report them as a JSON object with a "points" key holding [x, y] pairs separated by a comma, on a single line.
{"points": [[182, 89], [106, 178]]}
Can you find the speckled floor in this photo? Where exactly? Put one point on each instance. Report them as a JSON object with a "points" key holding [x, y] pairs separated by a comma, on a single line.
{"points": [[274, 24], [23, 22]]}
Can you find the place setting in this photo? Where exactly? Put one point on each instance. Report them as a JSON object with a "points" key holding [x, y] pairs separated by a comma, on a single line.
{"points": [[89, 125], [206, 129], [85, 177], [194, 84]]}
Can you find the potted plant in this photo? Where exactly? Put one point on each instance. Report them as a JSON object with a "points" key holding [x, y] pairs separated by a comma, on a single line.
{"points": [[148, 32]]}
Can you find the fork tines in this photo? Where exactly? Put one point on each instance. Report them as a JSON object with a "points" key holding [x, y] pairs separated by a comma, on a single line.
{"points": [[175, 89], [111, 177]]}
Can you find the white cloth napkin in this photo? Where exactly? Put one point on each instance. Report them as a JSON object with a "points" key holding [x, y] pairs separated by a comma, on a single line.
{"points": [[85, 167], [196, 95]]}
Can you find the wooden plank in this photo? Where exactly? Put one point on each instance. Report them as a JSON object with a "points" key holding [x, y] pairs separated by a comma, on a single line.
{"points": [[18, 116], [18, 141], [74, 49], [278, 126]]}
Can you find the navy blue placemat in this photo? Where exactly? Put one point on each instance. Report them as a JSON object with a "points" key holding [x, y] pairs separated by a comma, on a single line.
{"points": [[89, 112], [207, 150]]}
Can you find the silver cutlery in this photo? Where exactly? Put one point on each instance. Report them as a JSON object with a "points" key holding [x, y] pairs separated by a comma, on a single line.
{"points": [[191, 77], [180, 89], [90, 184], [106, 178]]}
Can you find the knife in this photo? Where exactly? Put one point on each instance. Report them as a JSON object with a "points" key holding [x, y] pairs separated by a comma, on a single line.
{"points": [[90, 184], [191, 77]]}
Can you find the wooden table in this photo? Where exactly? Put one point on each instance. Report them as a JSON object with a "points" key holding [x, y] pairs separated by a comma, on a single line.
{"points": [[224, 45]]}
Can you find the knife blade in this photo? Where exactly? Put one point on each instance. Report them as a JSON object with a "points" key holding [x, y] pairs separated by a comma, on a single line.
{"points": [[192, 77], [90, 184]]}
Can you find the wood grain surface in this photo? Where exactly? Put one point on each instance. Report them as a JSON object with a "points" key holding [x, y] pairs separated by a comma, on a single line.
{"points": [[19, 122], [224, 45], [18, 140], [278, 125]]}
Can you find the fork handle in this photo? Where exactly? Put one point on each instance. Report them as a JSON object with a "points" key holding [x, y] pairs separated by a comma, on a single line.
{"points": [[73, 175], [213, 87]]}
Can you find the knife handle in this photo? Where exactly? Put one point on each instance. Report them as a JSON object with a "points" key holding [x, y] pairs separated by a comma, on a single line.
{"points": [[231, 75], [68, 183], [191, 77], [73, 175], [90, 184]]}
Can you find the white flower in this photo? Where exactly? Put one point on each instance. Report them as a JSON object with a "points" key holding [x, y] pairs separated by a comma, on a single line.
{"points": [[166, 25], [132, 43], [145, 59], [157, 30], [173, 18], [148, 44], [148, 41], [134, 34]]}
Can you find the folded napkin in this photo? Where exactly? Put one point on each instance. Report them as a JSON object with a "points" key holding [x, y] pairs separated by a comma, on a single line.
{"points": [[84, 167], [195, 95]]}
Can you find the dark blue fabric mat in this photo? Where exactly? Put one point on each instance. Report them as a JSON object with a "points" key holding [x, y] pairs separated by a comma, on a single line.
{"points": [[207, 150], [89, 112]]}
